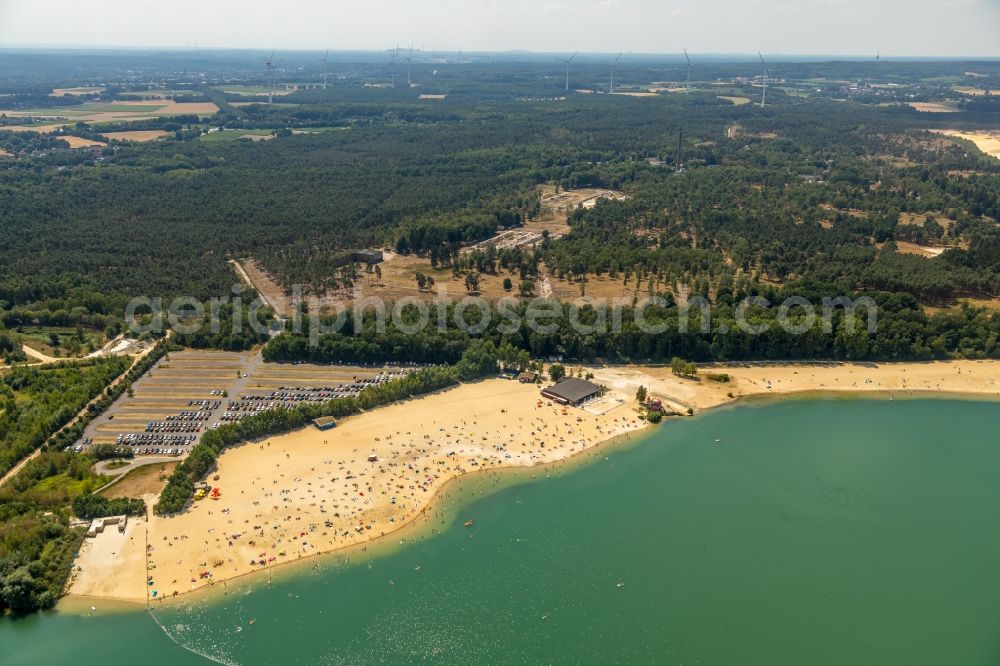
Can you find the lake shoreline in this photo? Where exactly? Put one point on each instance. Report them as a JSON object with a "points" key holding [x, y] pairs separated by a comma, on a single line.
{"points": [[750, 387]]}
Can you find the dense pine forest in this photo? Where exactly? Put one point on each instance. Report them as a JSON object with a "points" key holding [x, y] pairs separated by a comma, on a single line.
{"points": [[766, 195]]}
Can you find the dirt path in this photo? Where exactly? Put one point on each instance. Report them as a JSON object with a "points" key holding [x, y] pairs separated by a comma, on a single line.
{"points": [[102, 467], [279, 308], [37, 355]]}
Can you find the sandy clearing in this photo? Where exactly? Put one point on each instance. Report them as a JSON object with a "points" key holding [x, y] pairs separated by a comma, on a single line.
{"points": [[738, 101], [137, 135], [906, 247], [145, 480], [988, 142], [429, 96]]}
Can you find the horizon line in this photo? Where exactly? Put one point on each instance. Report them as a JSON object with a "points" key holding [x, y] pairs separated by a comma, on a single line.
{"points": [[197, 49]]}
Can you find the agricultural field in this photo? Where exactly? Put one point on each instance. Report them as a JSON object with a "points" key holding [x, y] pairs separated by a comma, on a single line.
{"points": [[255, 91], [79, 90], [138, 136], [932, 107], [969, 90], [94, 112], [155, 94]]}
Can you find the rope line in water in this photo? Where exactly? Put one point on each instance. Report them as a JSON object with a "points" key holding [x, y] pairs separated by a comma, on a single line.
{"points": [[166, 633]]}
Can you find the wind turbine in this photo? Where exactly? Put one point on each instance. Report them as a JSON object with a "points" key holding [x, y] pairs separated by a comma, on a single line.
{"points": [[763, 97], [878, 56], [269, 64], [567, 61], [612, 88], [409, 60], [324, 67], [686, 57]]}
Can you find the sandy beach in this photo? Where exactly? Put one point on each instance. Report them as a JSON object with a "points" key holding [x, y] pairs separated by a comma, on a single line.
{"points": [[307, 492]]}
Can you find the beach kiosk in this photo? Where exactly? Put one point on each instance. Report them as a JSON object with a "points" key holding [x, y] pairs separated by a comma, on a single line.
{"points": [[325, 423]]}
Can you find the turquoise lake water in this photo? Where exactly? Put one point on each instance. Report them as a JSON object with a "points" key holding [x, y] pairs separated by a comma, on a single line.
{"points": [[818, 531]]}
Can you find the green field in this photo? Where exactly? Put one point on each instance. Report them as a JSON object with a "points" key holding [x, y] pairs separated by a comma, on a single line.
{"points": [[319, 130], [233, 135], [70, 343], [89, 109], [152, 94], [237, 89]]}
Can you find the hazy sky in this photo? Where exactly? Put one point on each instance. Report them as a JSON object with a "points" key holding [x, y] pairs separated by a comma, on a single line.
{"points": [[849, 27]]}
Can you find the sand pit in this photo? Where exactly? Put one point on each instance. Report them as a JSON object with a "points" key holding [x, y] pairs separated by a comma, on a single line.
{"points": [[988, 142], [137, 136]]}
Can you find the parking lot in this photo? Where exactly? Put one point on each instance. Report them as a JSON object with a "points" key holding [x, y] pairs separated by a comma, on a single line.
{"points": [[190, 392]]}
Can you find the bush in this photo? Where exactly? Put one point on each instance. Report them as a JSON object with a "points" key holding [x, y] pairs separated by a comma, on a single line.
{"points": [[557, 372], [98, 506]]}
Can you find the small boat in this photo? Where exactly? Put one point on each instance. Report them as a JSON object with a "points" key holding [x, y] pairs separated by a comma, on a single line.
{"points": [[469, 523], [718, 441]]}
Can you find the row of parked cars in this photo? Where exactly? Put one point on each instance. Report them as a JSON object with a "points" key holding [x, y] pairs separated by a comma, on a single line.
{"points": [[210, 405], [157, 439]]}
